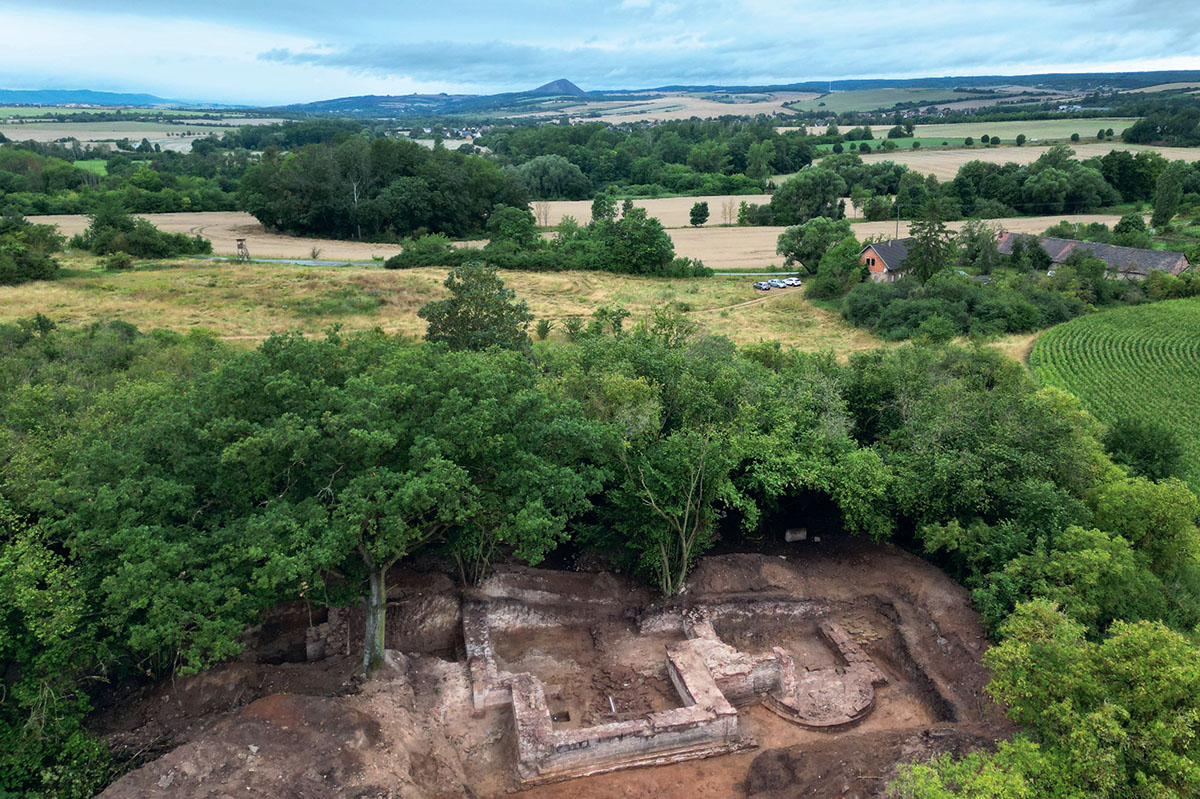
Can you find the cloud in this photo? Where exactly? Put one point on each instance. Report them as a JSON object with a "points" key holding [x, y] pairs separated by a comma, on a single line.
{"points": [[276, 51]]}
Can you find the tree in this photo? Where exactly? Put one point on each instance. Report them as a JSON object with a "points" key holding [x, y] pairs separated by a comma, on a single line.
{"points": [[678, 480], [1150, 448], [805, 244], [699, 214], [759, 157], [977, 246], [480, 313], [1020, 139], [516, 226], [1074, 137], [1118, 717], [1157, 518], [1167, 194], [931, 250], [838, 271], [604, 207], [553, 177], [811, 192]]}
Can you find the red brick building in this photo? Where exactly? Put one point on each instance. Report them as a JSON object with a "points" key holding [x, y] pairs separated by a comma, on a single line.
{"points": [[884, 259]]}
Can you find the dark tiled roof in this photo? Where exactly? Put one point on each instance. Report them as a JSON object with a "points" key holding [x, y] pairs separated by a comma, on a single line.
{"points": [[1124, 260], [891, 252]]}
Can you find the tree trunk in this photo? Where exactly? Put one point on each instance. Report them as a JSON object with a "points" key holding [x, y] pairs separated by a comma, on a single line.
{"points": [[376, 602]]}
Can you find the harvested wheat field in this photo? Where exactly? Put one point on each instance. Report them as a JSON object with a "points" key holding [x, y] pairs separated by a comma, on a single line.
{"points": [[224, 228], [945, 163], [721, 248], [671, 211], [685, 106], [250, 301]]}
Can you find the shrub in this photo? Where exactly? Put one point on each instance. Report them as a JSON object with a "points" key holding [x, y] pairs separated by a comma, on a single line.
{"points": [[119, 260]]}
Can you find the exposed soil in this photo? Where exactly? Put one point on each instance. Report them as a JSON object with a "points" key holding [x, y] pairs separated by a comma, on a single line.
{"points": [[273, 725]]}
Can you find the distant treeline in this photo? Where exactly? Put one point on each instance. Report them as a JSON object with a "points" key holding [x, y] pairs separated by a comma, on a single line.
{"points": [[378, 188], [1055, 183], [725, 156]]}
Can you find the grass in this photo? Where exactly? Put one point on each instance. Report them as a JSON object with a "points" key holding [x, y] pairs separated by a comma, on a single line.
{"points": [[1142, 361], [927, 142], [1035, 129], [872, 99], [248, 302], [97, 165]]}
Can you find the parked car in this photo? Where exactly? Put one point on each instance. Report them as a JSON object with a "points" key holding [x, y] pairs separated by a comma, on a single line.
{"points": [[792, 281], [762, 285], [777, 283]]}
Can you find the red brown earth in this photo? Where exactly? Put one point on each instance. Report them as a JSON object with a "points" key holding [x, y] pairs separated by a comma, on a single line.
{"points": [[274, 725]]}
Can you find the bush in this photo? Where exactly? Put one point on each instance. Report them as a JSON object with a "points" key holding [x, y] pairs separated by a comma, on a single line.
{"points": [[119, 260], [1149, 448], [111, 230], [25, 251], [898, 310]]}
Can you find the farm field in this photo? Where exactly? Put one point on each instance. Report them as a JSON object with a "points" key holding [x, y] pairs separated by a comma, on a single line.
{"points": [[1033, 129], [250, 301], [674, 106], [720, 247], [1142, 360], [167, 136], [945, 163], [871, 99], [671, 211], [96, 165], [46, 110]]}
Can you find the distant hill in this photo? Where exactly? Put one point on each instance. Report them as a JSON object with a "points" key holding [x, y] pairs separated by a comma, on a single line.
{"points": [[80, 97], [562, 86], [381, 105]]}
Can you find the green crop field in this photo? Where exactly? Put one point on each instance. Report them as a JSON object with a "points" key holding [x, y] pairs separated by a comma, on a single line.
{"points": [[901, 144], [872, 99], [1139, 361], [97, 165], [1034, 129]]}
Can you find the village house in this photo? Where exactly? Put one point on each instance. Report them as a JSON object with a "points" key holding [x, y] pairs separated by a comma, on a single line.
{"points": [[884, 258], [1124, 263]]}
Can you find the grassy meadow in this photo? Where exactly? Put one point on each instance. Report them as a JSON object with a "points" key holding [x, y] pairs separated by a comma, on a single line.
{"points": [[250, 301]]}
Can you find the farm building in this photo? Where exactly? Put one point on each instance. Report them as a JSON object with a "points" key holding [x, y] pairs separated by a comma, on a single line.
{"points": [[1125, 263], [883, 259]]}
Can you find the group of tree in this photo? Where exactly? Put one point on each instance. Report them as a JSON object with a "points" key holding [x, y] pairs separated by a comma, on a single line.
{"points": [[308, 467], [26, 251], [113, 232], [628, 242], [1055, 183], [725, 156], [380, 188], [44, 178], [938, 298]]}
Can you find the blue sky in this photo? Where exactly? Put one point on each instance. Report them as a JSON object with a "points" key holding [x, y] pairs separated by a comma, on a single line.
{"points": [[302, 50]]}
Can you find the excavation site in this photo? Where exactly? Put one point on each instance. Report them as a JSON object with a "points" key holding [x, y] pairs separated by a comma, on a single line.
{"points": [[813, 671]]}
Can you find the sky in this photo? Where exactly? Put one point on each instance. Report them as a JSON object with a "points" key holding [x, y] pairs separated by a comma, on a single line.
{"points": [[268, 52]]}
